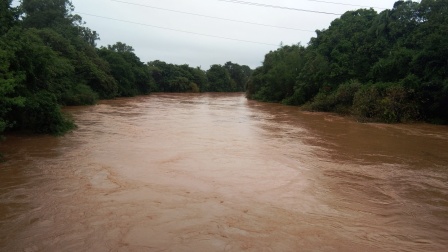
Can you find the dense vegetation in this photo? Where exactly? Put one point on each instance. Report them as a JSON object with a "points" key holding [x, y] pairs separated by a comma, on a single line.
{"points": [[390, 66], [229, 77], [49, 58]]}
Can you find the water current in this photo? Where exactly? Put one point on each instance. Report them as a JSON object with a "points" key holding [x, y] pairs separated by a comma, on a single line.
{"points": [[216, 172]]}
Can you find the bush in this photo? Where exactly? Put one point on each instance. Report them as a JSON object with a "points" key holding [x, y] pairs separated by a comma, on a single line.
{"points": [[297, 98], [398, 105], [80, 95], [194, 88], [42, 114], [346, 92], [365, 103], [322, 102], [386, 102], [339, 101]]}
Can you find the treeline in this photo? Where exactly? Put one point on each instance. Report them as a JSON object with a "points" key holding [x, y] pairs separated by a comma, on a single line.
{"points": [[390, 66], [229, 77], [49, 58]]}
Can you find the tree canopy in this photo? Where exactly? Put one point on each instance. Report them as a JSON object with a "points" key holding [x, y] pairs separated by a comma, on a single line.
{"points": [[49, 59], [390, 66], [182, 78]]}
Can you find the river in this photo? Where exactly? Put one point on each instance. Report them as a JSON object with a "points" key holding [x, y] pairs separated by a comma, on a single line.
{"points": [[216, 172]]}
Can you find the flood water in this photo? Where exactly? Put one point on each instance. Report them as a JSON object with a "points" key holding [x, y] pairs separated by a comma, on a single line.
{"points": [[216, 172]]}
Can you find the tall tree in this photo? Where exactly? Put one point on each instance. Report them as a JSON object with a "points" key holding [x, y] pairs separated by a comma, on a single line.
{"points": [[220, 80], [8, 16], [239, 74], [390, 66], [47, 13], [131, 74]]}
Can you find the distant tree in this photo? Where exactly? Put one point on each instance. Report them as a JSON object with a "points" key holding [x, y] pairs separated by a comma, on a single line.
{"points": [[200, 78], [220, 79], [131, 75], [177, 78], [239, 74]]}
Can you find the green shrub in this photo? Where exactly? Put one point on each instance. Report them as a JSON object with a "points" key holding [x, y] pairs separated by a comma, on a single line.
{"points": [[42, 114], [194, 88], [346, 92], [297, 98], [80, 95], [365, 103], [398, 105], [322, 102], [386, 102]]}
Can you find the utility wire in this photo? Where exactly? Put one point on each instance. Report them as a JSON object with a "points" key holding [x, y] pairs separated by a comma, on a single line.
{"points": [[279, 7], [200, 15], [346, 4], [176, 30]]}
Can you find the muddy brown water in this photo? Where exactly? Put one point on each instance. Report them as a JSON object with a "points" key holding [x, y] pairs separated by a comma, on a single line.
{"points": [[216, 172]]}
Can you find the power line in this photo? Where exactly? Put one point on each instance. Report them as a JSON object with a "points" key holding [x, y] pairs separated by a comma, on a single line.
{"points": [[200, 15], [279, 7], [346, 4], [176, 30]]}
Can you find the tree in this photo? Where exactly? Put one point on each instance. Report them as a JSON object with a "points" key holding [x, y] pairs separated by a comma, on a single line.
{"points": [[8, 16], [177, 78], [8, 80], [199, 77], [89, 36], [239, 74], [8, 83], [121, 48], [276, 79], [131, 75], [47, 13], [220, 80], [389, 67]]}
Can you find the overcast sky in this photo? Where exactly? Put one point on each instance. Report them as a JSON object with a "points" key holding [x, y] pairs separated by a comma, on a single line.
{"points": [[151, 43]]}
